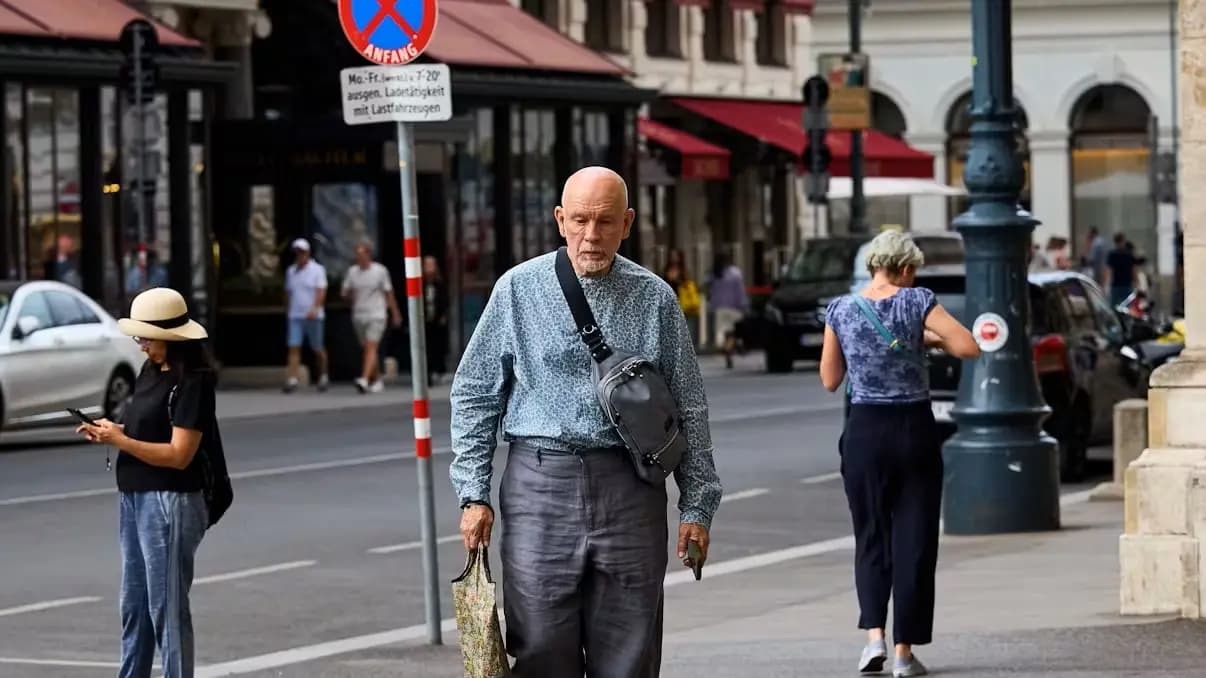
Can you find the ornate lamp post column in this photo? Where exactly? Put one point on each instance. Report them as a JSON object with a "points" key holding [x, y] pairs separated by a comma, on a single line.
{"points": [[1002, 471]]}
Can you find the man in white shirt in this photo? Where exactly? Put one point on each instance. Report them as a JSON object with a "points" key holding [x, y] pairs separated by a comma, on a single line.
{"points": [[368, 289], [306, 293]]}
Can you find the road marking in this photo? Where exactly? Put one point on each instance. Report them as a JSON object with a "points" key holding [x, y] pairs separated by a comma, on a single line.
{"points": [[380, 550], [255, 571], [823, 478], [48, 605], [356, 643], [744, 494], [381, 458], [72, 663]]}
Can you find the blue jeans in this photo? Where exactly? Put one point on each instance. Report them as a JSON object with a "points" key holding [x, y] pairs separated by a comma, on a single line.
{"points": [[159, 534], [307, 329]]}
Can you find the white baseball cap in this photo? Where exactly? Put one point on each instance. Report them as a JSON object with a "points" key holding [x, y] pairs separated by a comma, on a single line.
{"points": [[301, 244]]}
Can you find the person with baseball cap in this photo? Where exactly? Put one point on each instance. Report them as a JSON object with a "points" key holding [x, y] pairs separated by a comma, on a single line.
{"points": [[306, 291]]}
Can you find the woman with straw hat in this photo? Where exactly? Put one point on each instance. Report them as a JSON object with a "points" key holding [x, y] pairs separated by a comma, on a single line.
{"points": [[165, 443]]}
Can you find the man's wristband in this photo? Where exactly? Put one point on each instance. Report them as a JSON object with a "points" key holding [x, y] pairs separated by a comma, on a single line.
{"points": [[478, 502]]}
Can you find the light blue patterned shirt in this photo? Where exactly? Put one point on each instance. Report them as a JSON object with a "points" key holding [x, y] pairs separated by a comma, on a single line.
{"points": [[527, 373]]}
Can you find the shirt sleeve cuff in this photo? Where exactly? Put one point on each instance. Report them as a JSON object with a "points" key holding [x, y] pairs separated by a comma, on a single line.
{"points": [[476, 495], [696, 517]]}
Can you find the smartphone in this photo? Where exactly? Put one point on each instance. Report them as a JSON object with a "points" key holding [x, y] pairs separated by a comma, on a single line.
{"points": [[697, 559], [84, 419]]}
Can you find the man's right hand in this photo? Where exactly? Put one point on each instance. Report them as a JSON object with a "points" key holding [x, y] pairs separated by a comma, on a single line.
{"points": [[477, 521]]}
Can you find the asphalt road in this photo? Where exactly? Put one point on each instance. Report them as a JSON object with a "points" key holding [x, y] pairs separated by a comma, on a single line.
{"points": [[322, 541]]}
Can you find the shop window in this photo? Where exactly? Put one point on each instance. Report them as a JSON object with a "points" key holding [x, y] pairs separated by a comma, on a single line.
{"points": [[719, 39], [52, 118], [605, 25], [534, 182], [342, 215], [147, 244], [592, 138], [202, 252], [15, 196], [771, 41], [251, 267], [475, 265], [112, 296], [545, 10], [1111, 161], [958, 129], [663, 29]]}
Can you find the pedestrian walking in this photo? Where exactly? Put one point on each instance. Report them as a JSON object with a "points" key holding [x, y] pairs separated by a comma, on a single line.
{"points": [[168, 445], [584, 542], [1120, 270], [368, 288], [306, 298], [1094, 261], [435, 314], [726, 295], [890, 448], [684, 287]]}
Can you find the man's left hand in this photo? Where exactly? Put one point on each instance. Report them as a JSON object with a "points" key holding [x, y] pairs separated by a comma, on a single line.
{"points": [[692, 532]]}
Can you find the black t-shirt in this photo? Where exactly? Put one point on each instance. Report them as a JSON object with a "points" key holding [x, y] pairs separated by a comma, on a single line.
{"points": [[1122, 268], [147, 419]]}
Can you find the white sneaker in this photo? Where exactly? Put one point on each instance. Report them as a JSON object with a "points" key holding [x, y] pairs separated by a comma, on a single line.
{"points": [[361, 384], [377, 386], [323, 383]]}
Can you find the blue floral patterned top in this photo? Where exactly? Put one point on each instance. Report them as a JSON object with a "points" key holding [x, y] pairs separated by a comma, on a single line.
{"points": [[527, 373], [877, 374]]}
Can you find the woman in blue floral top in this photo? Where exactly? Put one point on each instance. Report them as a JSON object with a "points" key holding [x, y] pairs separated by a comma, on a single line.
{"points": [[891, 451]]}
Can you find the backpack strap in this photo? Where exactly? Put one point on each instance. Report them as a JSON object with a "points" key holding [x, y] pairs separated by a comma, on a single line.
{"points": [[894, 344], [584, 318]]}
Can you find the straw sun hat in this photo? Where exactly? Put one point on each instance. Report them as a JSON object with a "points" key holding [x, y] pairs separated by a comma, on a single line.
{"points": [[161, 313]]}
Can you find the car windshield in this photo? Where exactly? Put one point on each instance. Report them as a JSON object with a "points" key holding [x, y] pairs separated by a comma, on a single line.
{"points": [[938, 251], [823, 260], [950, 292]]}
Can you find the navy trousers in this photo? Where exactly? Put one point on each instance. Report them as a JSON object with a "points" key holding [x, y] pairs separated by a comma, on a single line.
{"points": [[892, 470]]}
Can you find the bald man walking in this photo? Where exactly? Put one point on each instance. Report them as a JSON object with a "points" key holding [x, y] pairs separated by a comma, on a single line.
{"points": [[584, 538]]}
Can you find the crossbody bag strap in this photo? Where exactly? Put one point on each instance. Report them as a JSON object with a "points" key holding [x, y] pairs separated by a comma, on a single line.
{"points": [[894, 344], [584, 318]]}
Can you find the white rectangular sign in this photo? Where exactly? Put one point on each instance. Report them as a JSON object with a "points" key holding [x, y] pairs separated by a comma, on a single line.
{"points": [[413, 93]]}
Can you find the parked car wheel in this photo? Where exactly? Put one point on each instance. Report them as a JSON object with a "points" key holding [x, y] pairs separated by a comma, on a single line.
{"points": [[778, 363], [117, 393], [1073, 436]]}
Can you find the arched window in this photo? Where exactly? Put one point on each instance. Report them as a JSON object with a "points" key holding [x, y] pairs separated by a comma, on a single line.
{"points": [[1110, 150], [958, 140], [886, 116]]}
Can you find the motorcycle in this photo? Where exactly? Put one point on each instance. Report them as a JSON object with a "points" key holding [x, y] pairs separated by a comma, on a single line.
{"points": [[1149, 344]]}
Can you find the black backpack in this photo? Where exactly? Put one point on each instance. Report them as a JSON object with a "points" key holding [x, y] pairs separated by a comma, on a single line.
{"points": [[216, 486]]}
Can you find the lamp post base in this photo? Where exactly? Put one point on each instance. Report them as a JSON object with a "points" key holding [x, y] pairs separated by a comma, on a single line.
{"points": [[995, 487]]}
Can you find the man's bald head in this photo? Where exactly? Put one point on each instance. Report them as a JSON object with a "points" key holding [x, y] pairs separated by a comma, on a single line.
{"points": [[594, 218], [595, 178]]}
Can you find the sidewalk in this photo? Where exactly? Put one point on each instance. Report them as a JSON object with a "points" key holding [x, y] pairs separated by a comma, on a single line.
{"points": [[242, 402], [1018, 605]]}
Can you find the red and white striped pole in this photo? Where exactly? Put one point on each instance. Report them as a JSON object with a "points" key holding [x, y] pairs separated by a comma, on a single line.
{"points": [[418, 377]]}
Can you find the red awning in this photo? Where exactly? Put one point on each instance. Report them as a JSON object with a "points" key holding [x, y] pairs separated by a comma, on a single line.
{"points": [[495, 33], [700, 160], [799, 6], [100, 20], [778, 123]]}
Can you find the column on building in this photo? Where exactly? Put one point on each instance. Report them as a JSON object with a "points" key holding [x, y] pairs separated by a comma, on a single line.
{"points": [[1163, 549], [928, 213], [1166, 230], [1050, 184]]}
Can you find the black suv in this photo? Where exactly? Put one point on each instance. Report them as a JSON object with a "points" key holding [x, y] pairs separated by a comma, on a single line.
{"points": [[1076, 338], [793, 320]]}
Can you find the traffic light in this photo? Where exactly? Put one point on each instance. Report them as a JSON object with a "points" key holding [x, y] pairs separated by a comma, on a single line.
{"points": [[139, 71], [816, 154]]}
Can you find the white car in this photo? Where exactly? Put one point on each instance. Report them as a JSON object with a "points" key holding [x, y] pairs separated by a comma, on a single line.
{"points": [[60, 349]]}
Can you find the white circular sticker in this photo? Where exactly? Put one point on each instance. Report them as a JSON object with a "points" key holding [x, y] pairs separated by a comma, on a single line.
{"points": [[990, 332]]}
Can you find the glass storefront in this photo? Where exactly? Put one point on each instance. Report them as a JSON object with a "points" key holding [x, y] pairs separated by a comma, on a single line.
{"points": [[959, 142]]}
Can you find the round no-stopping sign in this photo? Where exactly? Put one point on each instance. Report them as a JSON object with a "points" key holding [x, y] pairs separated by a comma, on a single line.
{"points": [[389, 32], [990, 332]]}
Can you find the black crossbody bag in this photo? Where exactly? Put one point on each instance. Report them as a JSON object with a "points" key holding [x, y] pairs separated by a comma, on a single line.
{"points": [[631, 390], [216, 486]]}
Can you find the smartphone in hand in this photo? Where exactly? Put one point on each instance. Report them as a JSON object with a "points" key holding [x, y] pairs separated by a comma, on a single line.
{"points": [[695, 555], [83, 418]]}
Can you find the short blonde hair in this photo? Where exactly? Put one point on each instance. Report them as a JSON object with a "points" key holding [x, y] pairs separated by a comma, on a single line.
{"points": [[893, 251]]}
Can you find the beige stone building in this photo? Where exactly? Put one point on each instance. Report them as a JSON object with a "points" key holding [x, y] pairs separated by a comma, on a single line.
{"points": [[1163, 551]]}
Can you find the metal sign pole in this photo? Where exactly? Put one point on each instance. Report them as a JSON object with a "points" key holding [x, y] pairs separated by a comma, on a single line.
{"points": [[418, 378]]}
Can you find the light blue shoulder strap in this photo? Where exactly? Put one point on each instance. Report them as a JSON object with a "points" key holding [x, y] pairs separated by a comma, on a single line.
{"points": [[894, 344]]}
